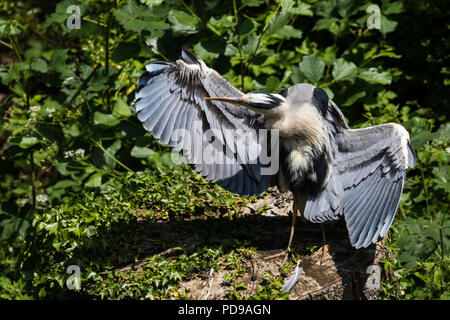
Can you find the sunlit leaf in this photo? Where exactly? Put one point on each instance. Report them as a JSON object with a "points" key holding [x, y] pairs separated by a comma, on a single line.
{"points": [[105, 119], [312, 67], [182, 22], [342, 69]]}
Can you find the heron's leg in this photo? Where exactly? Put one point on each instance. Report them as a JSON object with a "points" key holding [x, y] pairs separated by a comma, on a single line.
{"points": [[324, 248], [291, 236], [286, 252]]}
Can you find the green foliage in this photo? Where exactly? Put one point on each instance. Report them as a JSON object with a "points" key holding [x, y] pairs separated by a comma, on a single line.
{"points": [[83, 183]]}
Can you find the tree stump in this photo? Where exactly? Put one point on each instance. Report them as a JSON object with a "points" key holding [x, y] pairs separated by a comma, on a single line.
{"points": [[334, 271]]}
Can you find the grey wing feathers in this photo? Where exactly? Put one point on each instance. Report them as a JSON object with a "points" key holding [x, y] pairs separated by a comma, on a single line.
{"points": [[365, 186], [171, 105]]}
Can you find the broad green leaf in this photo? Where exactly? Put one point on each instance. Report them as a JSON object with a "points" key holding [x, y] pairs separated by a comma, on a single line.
{"points": [[64, 184], [112, 150], [121, 109], [94, 181], [344, 7], [208, 50], [272, 84], [443, 131], [277, 23], [252, 3], [324, 24], [387, 25], [420, 137], [372, 75], [141, 152], [73, 130], [152, 3], [250, 43], [58, 60], [302, 9], [105, 119], [39, 65], [312, 67], [324, 8], [289, 32], [182, 22], [134, 17], [28, 142], [297, 75], [222, 25], [246, 26], [342, 69], [393, 8]]}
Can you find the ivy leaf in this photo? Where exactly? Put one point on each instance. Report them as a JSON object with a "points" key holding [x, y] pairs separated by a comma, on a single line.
{"points": [[373, 76], [182, 22], [342, 69], [312, 67]]}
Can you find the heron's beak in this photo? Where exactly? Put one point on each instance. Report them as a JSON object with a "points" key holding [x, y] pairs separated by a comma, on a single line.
{"points": [[236, 101]]}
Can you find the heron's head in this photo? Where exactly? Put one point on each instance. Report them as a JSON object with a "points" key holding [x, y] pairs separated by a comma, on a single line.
{"points": [[288, 101], [260, 102], [303, 94]]}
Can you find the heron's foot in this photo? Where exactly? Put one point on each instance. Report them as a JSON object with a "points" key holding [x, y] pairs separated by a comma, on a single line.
{"points": [[286, 257], [323, 250], [286, 253], [276, 255]]}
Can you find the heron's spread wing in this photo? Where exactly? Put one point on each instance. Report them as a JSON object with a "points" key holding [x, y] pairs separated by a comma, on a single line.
{"points": [[218, 139], [368, 173]]}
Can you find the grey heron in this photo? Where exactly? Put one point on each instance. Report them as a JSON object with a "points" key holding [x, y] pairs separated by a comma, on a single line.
{"points": [[332, 170]]}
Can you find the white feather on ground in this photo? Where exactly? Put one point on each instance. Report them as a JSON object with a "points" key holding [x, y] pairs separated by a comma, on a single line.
{"points": [[292, 280]]}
